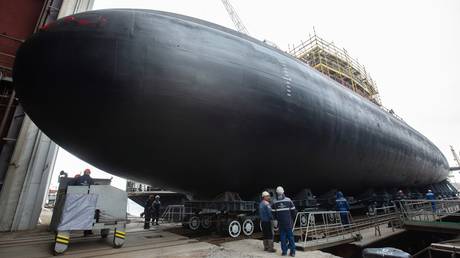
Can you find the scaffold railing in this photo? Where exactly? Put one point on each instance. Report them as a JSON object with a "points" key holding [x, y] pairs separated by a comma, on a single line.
{"points": [[338, 64], [321, 229], [429, 210]]}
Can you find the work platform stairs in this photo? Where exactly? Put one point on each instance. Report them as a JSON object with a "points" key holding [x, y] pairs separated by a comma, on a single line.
{"points": [[323, 229]]}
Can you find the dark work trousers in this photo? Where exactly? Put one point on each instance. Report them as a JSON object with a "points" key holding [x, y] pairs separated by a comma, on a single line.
{"points": [[287, 240], [344, 217], [267, 230], [156, 216], [148, 218]]}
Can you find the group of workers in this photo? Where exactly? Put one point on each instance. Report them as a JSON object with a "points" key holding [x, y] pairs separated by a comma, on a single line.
{"points": [[151, 211], [429, 196], [84, 180], [280, 213]]}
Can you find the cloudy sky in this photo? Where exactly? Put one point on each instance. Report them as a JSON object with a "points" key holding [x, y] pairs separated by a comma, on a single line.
{"points": [[410, 48]]}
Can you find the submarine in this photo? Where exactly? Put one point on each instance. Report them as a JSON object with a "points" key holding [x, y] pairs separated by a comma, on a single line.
{"points": [[171, 100]]}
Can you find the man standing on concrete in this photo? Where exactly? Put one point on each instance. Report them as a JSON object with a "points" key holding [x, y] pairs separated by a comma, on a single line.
{"points": [[266, 218], [156, 210], [285, 213], [148, 211]]}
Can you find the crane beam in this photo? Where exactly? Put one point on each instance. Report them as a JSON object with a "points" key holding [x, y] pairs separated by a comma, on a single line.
{"points": [[235, 18], [456, 158]]}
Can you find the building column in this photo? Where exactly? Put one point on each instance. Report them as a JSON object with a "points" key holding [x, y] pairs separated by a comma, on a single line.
{"points": [[27, 179]]}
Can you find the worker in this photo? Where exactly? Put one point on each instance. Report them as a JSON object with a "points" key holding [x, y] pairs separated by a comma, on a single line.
{"points": [[399, 198], [85, 179], [285, 212], [430, 196], [75, 180], [156, 210], [342, 206], [148, 211], [266, 218]]}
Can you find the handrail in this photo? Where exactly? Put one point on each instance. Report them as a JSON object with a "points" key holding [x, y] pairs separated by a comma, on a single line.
{"points": [[428, 210]]}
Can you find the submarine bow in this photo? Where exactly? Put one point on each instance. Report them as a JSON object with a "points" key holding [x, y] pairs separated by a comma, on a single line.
{"points": [[171, 100]]}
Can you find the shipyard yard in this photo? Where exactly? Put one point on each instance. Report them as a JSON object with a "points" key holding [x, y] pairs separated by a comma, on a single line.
{"points": [[229, 128], [154, 243]]}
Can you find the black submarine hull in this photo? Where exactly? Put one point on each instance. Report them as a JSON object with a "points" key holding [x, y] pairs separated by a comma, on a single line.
{"points": [[176, 101]]}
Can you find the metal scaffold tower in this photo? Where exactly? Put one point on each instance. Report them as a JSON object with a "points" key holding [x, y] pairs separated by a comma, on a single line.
{"points": [[337, 64]]}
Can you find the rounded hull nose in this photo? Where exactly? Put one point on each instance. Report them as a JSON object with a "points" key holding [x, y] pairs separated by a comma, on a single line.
{"points": [[175, 101]]}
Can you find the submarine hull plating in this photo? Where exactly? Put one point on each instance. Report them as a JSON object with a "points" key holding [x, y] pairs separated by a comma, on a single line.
{"points": [[175, 101]]}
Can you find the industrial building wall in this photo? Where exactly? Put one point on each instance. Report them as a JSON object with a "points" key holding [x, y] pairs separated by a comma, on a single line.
{"points": [[28, 173], [17, 21]]}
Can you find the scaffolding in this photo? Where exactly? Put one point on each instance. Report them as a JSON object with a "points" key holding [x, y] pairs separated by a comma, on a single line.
{"points": [[337, 64]]}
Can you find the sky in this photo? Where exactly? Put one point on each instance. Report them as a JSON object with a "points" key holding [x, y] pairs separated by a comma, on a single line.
{"points": [[410, 48]]}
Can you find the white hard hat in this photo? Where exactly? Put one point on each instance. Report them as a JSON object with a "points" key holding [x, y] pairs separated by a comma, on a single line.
{"points": [[279, 190], [265, 193]]}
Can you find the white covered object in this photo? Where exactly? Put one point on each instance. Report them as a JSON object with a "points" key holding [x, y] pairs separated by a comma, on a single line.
{"points": [[78, 213]]}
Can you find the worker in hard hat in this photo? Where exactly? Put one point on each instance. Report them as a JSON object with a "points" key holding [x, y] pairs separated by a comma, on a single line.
{"points": [[266, 218], [156, 210], [285, 213], [342, 207], [430, 196], [85, 179], [399, 198]]}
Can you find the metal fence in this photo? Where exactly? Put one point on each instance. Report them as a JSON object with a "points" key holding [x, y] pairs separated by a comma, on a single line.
{"points": [[321, 227], [175, 214], [428, 210]]}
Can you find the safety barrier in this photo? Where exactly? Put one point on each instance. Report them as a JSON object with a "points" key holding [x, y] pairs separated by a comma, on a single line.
{"points": [[428, 210], [174, 214], [321, 229]]}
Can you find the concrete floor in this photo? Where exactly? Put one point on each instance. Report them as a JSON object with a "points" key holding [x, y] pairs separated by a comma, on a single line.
{"points": [[153, 243]]}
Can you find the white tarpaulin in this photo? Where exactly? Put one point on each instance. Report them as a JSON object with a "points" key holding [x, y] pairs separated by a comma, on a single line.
{"points": [[78, 213]]}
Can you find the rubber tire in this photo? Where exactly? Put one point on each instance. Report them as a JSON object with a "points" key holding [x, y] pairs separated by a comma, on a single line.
{"points": [[232, 226], [104, 233], [245, 222], [194, 226], [207, 225]]}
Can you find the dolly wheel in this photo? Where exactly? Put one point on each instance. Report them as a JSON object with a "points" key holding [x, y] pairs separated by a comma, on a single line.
{"points": [[248, 227], [206, 222], [104, 233], [194, 223], [303, 220], [234, 228]]}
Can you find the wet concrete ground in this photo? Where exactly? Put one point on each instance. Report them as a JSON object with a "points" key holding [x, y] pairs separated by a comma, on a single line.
{"points": [[157, 242]]}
